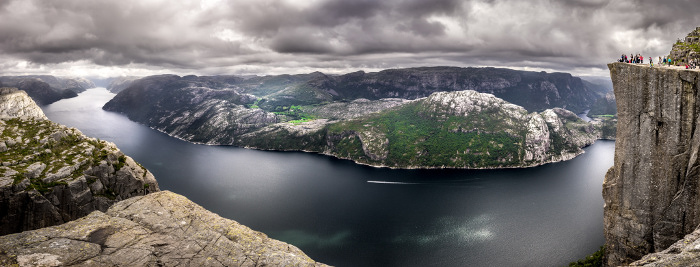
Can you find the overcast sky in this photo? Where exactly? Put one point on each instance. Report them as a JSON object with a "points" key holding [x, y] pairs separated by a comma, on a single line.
{"points": [[208, 37]]}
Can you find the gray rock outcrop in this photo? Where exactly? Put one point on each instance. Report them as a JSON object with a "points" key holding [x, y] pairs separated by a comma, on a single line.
{"points": [[685, 252], [652, 192], [17, 104], [687, 50], [159, 229], [51, 174]]}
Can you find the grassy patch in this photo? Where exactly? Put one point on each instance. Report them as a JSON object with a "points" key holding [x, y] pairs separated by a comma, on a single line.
{"points": [[420, 137], [255, 104], [120, 163], [43, 187], [17, 178]]}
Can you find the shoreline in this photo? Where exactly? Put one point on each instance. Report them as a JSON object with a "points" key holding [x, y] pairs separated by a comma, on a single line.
{"points": [[566, 157]]}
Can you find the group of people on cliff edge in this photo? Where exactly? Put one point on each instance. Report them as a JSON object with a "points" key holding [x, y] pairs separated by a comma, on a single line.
{"points": [[639, 59], [636, 59]]}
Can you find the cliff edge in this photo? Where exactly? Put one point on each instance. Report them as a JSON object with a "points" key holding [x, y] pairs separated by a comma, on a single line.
{"points": [[17, 104], [51, 174], [110, 207], [159, 229], [651, 194]]}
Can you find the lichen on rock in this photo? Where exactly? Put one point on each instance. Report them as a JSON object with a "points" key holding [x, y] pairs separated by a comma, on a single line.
{"points": [[51, 174]]}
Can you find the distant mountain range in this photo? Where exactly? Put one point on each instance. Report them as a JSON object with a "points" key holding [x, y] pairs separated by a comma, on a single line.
{"points": [[46, 89], [402, 118]]}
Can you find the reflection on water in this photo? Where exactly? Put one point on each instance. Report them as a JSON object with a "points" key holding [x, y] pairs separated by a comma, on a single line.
{"points": [[307, 239], [464, 232], [346, 214]]}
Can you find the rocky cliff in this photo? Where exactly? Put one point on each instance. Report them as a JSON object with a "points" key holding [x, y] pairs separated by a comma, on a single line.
{"points": [[652, 192], [17, 104], [51, 174], [159, 229], [687, 50]]}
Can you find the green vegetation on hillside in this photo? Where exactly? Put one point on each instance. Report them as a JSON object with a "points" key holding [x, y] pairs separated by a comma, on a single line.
{"points": [[44, 142], [294, 96], [295, 114], [418, 138]]}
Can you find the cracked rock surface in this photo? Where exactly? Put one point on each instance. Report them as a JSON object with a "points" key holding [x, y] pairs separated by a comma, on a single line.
{"points": [[159, 229], [685, 252]]}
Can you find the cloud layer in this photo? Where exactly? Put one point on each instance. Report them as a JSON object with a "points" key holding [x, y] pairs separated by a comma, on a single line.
{"points": [[138, 37]]}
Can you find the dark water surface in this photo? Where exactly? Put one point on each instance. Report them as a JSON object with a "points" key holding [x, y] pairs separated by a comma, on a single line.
{"points": [[345, 214]]}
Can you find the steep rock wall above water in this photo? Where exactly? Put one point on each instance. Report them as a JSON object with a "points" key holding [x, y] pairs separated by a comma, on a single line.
{"points": [[651, 193], [51, 174]]}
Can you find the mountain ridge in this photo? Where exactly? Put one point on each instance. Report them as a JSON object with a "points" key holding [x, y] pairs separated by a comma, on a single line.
{"points": [[46, 89], [225, 110]]}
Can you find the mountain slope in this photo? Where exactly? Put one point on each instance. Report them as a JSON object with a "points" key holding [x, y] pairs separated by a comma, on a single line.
{"points": [[244, 111], [46, 89], [535, 91], [464, 129]]}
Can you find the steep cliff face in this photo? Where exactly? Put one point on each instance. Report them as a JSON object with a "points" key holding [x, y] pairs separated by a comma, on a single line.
{"points": [[197, 109], [651, 193], [51, 174]]}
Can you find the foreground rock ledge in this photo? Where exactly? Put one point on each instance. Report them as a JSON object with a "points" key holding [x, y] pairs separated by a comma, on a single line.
{"points": [[159, 229], [685, 252]]}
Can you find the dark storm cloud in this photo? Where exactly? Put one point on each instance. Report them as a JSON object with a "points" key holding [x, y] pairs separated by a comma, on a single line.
{"points": [[259, 35]]}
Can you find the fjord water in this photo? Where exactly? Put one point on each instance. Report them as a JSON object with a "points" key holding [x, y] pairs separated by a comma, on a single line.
{"points": [[345, 214]]}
